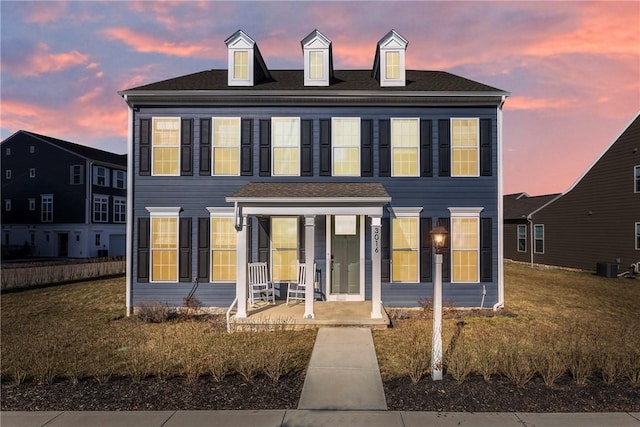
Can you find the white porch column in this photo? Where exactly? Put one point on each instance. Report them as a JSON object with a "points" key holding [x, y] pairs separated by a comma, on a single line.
{"points": [[376, 287], [241, 266], [309, 251]]}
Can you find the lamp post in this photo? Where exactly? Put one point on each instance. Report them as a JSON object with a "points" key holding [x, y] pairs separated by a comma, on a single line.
{"points": [[438, 237]]}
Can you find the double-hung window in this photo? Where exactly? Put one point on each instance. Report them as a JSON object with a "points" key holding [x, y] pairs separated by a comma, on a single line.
{"points": [[46, 207], [405, 249], [119, 210], [101, 176], [346, 146], [164, 245], [285, 143], [284, 248], [76, 174], [405, 147], [166, 146], [392, 66], [465, 245], [465, 140], [226, 146], [100, 208], [522, 238], [223, 247], [119, 179], [316, 65], [638, 236], [241, 65], [538, 235], [636, 182]]}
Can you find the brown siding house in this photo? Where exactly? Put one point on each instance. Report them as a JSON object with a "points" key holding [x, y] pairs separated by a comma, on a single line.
{"points": [[596, 221]]}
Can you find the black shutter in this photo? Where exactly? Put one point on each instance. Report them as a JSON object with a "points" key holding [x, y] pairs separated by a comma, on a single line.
{"points": [[486, 164], [144, 230], [301, 239], [145, 147], [444, 148], [426, 163], [264, 226], [366, 147], [265, 147], [246, 147], [205, 147], [385, 148], [203, 248], [385, 253], [325, 147], [306, 148], [186, 147], [425, 250], [486, 250], [184, 250], [446, 250]]}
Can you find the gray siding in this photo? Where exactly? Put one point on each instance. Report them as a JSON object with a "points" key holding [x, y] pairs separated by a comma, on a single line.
{"points": [[435, 194]]}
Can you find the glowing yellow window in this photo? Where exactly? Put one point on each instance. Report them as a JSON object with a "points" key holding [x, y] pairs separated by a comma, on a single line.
{"points": [[464, 147], [392, 65], [404, 252], [164, 249], [166, 145], [405, 134], [346, 146], [284, 248], [226, 146], [223, 250], [285, 143], [241, 65], [465, 249], [316, 65]]}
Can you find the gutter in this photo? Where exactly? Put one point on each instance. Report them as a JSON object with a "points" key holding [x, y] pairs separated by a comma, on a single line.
{"points": [[129, 225], [500, 302]]}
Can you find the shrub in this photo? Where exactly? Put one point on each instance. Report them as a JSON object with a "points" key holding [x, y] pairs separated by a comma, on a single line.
{"points": [[219, 356], [581, 356], [156, 312], [415, 351], [550, 357], [246, 358]]}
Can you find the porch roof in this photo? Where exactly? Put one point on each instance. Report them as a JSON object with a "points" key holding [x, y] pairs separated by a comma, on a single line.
{"points": [[311, 198]]}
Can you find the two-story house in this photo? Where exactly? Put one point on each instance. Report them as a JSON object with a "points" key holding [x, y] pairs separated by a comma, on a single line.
{"points": [[596, 221], [61, 199], [345, 169]]}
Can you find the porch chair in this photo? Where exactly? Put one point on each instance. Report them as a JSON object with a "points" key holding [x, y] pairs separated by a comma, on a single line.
{"points": [[260, 285], [296, 290]]}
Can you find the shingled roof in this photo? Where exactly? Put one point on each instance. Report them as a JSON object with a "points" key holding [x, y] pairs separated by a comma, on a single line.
{"points": [[344, 80], [311, 190], [518, 206]]}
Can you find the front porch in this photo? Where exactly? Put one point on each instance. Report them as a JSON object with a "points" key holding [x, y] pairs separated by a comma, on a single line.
{"points": [[327, 313]]}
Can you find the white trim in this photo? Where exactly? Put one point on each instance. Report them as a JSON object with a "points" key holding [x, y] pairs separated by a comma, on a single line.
{"points": [[311, 210], [415, 216], [477, 146], [129, 214], [221, 211], [310, 200], [518, 238], [177, 146], [213, 146], [468, 212], [273, 147], [358, 146], [104, 201], [535, 239], [156, 211], [119, 199], [360, 296], [404, 211], [226, 213], [172, 215], [500, 225], [636, 179], [391, 147], [637, 236], [465, 213]]}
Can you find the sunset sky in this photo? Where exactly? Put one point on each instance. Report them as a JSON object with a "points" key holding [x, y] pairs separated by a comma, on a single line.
{"points": [[573, 68]]}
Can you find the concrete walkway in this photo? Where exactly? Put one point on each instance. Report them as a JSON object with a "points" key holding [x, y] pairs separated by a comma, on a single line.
{"points": [[343, 372], [298, 418]]}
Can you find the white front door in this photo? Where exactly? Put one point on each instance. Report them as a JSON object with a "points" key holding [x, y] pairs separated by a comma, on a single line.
{"points": [[345, 243]]}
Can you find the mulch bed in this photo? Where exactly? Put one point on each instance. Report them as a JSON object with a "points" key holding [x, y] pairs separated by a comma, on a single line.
{"points": [[473, 395]]}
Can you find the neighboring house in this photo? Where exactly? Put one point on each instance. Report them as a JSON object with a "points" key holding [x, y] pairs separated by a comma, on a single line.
{"points": [[596, 221], [346, 169], [61, 199], [518, 243]]}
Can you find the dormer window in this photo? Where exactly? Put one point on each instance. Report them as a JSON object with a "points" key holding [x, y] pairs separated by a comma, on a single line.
{"points": [[318, 64], [389, 64], [246, 66]]}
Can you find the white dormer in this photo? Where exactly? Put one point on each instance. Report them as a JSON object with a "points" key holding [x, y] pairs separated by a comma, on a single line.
{"points": [[318, 62], [389, 64], [246, 65]]}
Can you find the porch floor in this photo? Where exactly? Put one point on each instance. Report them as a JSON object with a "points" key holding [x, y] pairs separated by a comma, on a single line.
{"points": [[327, 313]]}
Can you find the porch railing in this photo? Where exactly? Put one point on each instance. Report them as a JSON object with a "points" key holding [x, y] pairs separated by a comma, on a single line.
{"points": [[233, 304]]}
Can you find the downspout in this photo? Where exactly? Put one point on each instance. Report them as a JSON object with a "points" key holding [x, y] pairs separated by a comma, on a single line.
{"points": [[500, 302], [530, 221], [129, 226], [88, 205]]}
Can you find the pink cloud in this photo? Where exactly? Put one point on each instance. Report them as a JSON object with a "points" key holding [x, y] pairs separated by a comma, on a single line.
{"points": [[529, 103], [149, 44], [42, 61], [45, 12]]}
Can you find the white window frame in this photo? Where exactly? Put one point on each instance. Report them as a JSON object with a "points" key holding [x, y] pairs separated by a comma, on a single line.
{"points": [[417, 148], [100, 172], [518, 237], [32, 172], [476, 146], [76, 174], [236, 145], [32, 204], [636, 179], [46, 207], [176, 146], [119, 210], [274, 147], [402, 213], [100, 208], [536, 239], [119, 176], [218, 213], [273, 249], [384, 79], [637, 236], [334, 137], [159, 213], [464, 213], [317, 54]]}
